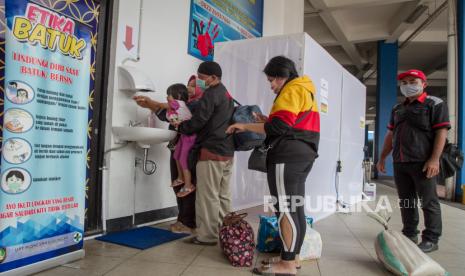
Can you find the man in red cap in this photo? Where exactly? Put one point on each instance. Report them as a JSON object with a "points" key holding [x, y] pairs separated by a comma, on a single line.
{"points": [[416, 135]]}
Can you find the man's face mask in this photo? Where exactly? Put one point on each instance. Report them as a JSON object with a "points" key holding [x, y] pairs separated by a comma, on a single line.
{"points": [[201, 84], [409, 90]]}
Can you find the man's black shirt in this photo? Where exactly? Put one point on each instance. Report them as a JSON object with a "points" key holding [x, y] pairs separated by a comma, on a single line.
{"points": [[414, 126]]}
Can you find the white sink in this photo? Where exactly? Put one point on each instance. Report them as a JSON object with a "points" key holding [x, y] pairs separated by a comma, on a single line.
{"points": [[144, 136]]}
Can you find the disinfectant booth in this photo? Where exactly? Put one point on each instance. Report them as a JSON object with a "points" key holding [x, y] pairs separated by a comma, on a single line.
{"points": [[341, 99]]}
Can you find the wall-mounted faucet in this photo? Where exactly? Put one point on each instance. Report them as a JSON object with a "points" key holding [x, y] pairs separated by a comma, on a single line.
{"points": [[134, 123]]}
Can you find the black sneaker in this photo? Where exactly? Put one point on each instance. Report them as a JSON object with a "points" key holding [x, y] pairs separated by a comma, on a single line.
{"points": [[427, 246], [414, 239]]}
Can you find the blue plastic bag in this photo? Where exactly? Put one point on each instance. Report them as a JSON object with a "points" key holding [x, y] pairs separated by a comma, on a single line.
{"points": [[268, 240]]}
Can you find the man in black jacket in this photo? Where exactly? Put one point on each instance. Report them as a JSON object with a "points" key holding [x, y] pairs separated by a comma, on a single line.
{"points": [[216, 152]]}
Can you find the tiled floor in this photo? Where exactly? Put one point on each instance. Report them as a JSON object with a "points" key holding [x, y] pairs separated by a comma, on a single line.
{"points": [[347, 250]]}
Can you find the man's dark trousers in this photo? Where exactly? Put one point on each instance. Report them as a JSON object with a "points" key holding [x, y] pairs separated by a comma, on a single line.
{"points": [[412, 184]]}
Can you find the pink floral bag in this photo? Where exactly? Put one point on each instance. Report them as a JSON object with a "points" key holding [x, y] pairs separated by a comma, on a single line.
{"points": [[237, 240]]}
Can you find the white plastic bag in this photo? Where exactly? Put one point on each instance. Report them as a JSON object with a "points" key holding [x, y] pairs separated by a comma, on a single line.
{"points": [[312, 246]]}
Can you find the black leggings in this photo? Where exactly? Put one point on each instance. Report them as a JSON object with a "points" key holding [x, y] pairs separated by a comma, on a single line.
{"points": [[285, 181]]}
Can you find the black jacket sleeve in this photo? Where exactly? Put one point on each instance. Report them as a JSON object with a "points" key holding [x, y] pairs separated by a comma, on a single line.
{"points": [[162, 115], [203, 112], [193, 106], [276, 127]]}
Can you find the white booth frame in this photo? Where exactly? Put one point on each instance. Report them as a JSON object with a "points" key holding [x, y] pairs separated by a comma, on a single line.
{"points": [[343, 98]]}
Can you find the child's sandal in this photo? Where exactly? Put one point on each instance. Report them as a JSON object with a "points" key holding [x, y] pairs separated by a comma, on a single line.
{"points": [[177, 182], [185, 191]]}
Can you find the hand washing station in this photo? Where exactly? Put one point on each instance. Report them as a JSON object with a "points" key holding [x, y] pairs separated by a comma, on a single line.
{"points": [[132, 81], [144, 136]]}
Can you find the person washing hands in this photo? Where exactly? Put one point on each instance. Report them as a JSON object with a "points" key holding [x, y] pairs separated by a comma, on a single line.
{"points": [[186, 222]]}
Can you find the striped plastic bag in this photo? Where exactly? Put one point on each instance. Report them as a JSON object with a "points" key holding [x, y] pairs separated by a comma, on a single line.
{"points": [[400, 255]]}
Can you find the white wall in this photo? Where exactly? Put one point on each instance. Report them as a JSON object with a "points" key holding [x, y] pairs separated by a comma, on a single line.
{"points": [[294, 17], [273, 19], [118, 179], [164, 58], [283, 17]]}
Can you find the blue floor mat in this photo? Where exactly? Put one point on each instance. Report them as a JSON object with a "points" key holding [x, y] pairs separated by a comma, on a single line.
{"points": [[141, 238]]}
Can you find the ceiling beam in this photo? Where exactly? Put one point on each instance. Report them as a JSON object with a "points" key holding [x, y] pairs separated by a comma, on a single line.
{"points": [[329, 43], [397, 28], [361, 73], [356, 39], [431, 36], [431, 18], [344, 4], [372, 99], [311, 14], [337, 31], [437, 65], [399, 24], [431, 82], [371, 66]]}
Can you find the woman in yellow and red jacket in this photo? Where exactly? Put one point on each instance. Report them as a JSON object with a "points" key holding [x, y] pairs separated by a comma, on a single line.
{"points": [[295, 115]]}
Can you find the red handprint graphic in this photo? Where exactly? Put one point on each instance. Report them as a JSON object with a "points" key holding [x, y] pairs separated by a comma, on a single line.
{"points": [[205, 41]]}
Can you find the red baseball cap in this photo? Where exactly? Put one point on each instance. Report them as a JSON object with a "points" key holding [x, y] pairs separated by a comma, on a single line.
{"points": [[414, 73]]}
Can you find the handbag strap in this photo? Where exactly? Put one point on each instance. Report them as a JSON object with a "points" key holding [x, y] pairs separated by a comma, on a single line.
{"points": [[233, 218], [236, 102]]}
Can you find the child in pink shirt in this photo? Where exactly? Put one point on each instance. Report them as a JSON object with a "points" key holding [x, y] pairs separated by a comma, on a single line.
{"points": [[178, 112]]}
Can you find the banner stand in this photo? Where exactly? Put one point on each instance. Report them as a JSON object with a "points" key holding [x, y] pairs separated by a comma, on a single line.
{"points": [[48, 91], [47, 264]]}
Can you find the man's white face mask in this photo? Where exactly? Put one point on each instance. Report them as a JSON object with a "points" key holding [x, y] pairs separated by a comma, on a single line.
{"points": [[409, 90]]}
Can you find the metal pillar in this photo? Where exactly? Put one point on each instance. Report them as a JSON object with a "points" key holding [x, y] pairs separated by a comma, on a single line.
{"points": [[461, 92], [386, 95], [452, 84]]}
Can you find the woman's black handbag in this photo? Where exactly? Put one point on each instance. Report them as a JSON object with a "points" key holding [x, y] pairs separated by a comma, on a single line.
{"points": [[257, 159], [451, 160]]}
